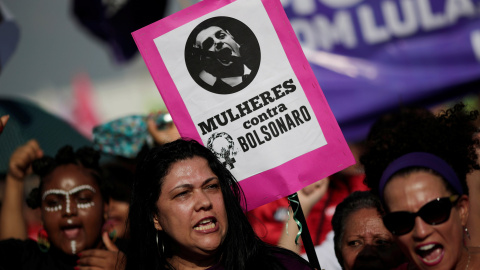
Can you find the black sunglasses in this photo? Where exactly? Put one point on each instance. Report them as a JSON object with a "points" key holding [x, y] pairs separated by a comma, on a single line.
{"points": [[434, 212]]}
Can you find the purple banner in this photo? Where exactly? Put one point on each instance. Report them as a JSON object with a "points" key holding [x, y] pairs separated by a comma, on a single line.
{"points": [[371, 56]]}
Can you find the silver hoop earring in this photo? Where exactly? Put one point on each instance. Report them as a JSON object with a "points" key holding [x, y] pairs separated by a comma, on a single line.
{"points": [[163, 247]]}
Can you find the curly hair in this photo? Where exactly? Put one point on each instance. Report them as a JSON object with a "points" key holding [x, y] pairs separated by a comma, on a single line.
{"points": [[449, 135], [241, 249], [85, 157]]}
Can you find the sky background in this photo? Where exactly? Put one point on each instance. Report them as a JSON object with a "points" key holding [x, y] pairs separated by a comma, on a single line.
{"points": [[54, 50]]}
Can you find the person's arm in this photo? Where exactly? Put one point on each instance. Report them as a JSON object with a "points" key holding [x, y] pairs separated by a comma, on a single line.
{"points": [[308, 197], [12, 222], [162, 136]]}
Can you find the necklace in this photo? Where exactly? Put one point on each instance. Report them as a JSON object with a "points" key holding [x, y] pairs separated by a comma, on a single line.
{"points": [[468, 262]]}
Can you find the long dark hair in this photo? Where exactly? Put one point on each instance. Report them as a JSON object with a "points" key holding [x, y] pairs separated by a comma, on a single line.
{"points": [[241, 249]]}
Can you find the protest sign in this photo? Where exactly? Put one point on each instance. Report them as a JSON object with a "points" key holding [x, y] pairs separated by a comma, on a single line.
{"points": [[373, 56], [233, 76]]}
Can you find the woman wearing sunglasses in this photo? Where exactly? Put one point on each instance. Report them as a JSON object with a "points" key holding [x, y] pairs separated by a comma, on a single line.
{"points": [[417, 163]]}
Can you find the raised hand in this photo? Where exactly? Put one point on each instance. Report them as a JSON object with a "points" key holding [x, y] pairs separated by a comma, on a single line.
{"points": [[20, 164], [12, 223], [311, 194], [162, 136]]}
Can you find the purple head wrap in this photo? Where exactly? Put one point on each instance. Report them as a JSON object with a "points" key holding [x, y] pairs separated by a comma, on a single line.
{"points": [[421, 159]]}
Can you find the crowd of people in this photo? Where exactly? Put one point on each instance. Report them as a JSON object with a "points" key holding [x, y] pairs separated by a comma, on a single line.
{"points": [[411, 203]]}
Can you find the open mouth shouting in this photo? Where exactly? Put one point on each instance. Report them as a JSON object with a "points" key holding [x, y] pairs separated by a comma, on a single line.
{"points": [[71, 231], [206, 225], [430, 254], [224, 55]]}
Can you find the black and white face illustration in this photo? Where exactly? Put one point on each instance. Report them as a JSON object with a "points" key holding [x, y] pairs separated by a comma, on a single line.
{"points": [[220, 43], [222, 55]]}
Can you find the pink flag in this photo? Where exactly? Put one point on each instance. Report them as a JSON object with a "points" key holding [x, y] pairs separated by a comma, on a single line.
{"points": [[234, 77]]}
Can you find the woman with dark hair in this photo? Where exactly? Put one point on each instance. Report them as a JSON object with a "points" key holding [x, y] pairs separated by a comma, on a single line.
{"points": [[71, 203], [361, 240], [186, 213], [418, 166]]}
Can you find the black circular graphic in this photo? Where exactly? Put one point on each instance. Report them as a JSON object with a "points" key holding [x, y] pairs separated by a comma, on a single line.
{"points": [[222, 55]]}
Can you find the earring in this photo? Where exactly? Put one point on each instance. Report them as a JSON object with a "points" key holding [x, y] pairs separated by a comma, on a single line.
{"points": [[42, 241], [163, 248], [467, 233]]}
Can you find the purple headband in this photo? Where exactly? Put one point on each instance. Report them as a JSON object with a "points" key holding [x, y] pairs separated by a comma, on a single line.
{"points": [[421, 159]]}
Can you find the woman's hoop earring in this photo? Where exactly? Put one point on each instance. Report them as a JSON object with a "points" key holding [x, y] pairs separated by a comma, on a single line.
{"points": [[42, 241], [156, 238]]}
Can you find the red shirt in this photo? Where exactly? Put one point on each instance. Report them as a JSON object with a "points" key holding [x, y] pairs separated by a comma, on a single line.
{"points": [[268, 220]]}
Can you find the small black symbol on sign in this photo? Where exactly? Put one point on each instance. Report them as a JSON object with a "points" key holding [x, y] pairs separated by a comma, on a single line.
{"points": [[222, 145]]}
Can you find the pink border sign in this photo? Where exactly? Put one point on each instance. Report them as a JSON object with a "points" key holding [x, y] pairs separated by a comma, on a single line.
{"points": [[274, 131]]}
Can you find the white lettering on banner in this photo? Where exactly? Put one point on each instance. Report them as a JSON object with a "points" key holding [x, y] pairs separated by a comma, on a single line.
{"points": [[344, 31], [392, 17], [430, 21], [307, 34], [371, 32], [475, 40], [397, 19], [339, 31], [340, 3], [458, 8], [305, 7]]}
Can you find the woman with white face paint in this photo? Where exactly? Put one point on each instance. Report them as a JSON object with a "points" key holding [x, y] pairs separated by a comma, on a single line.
{"points": [[70, 200]]}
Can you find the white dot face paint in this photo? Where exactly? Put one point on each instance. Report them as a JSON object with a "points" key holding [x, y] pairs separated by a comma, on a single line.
{"points": [[85, 205], [81, 186], [67, 203], [53, 209], [56, 206], [73, 244]]}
